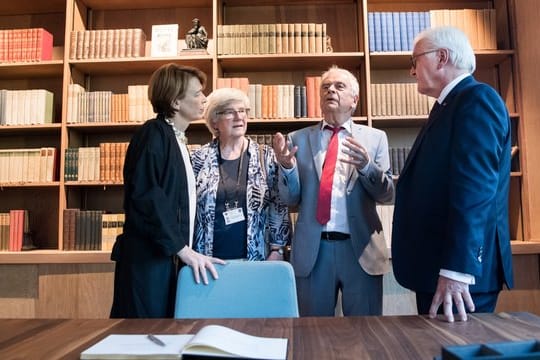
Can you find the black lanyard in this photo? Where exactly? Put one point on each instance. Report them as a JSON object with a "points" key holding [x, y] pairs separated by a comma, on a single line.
{"points": [[240, 163]]}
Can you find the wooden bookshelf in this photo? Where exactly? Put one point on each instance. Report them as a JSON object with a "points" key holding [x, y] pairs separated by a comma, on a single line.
{"points": [[511, 69]]}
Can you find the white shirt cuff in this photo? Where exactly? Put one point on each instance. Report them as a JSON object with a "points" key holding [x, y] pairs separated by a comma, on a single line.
{"points": [[454, 275]]}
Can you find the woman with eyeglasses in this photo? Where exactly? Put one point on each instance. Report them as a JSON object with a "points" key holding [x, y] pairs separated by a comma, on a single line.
{"points": [[239, 212]]}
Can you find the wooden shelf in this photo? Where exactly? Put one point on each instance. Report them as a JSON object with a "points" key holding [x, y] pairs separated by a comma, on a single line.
{"points": [[401, 59], [93, 184], [525, 247], [295, 62], [29, 185], [43, 69], [144, 4], [24, 7], [399, 121], [55, 257], [141, 65], [105, 127], [101, 257], [30, 129]]}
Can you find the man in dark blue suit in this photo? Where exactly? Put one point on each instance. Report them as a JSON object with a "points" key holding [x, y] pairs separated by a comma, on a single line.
{"points": [[451, 237]]}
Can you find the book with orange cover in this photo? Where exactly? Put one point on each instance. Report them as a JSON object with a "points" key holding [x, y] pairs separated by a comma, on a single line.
{"points": [[310, 96]]}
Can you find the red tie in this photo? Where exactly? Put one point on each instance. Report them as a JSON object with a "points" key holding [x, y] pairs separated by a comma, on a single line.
{"points": [[327, 178]]}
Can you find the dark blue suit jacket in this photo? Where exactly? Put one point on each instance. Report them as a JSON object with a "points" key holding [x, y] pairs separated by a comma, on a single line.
{"points": [[451, 205]]}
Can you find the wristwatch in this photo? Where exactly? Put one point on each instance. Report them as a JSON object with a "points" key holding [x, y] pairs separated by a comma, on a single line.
{"points": [[278, 250]]}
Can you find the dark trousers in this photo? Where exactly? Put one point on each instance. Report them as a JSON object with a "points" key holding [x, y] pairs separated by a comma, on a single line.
{"points": [[483, 302]]}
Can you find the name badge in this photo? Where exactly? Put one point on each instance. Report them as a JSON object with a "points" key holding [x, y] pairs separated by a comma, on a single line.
{"points": [[233, 216]]}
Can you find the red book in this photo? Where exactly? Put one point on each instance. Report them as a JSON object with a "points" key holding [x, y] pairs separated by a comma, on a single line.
{"points": [[16, 229], [44, 45]]}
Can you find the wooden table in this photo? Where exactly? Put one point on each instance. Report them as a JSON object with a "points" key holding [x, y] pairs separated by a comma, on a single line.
{"points": [[390, 337]]}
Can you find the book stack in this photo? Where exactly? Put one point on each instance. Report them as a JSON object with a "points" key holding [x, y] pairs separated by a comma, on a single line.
{"points": [[261, 139], [394, 99], [104, 106], [250, 39], [241, 83], [398, 156], [280, 101], [25, 45], [4, 231], [27, 165], [104, 163], [14, 226], [107, 44], [395, 31], [26, 107], [90, 229], [111, 226]]}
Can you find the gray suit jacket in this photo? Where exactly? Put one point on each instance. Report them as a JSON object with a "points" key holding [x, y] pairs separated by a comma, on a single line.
{"points": [[300, 187]]}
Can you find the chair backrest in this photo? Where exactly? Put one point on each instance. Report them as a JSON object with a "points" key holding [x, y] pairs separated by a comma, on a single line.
{"points": [[245, 289]]}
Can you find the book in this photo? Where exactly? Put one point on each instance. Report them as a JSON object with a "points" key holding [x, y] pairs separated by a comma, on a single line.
{"points": [[164, 40], [211, 341]]}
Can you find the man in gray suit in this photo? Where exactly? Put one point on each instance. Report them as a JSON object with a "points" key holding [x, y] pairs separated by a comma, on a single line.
{"points": [[342, 247]]}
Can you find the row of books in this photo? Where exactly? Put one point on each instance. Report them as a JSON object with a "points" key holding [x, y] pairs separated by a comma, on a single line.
{"points": [[27, 165], [90, 229], [386, 214], [395, 99], [13, 227], [398, 156], [26, 107], [280, 101], [25, 45], [261, 139], [105, 44], [104, 106], [395, 31], [104, 163], [480, 25], [246, 39]]}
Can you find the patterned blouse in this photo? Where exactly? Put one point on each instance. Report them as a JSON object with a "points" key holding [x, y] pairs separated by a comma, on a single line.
{"points": [[264, 207]]}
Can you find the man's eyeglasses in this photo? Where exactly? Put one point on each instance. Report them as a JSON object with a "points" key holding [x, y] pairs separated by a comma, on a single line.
{"points": [[414, 57], [230, 113]]}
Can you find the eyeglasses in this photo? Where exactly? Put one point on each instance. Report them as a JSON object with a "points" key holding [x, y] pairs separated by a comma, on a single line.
{"points": [[414, 57], [230, 113]]}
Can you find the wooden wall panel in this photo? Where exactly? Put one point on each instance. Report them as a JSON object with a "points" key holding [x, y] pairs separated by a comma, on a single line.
{"points": [[527, 14], [18, 291]]}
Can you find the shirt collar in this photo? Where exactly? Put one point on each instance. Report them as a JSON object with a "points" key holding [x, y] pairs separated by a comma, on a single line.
{"points": [[446, 90], [347, 125]]}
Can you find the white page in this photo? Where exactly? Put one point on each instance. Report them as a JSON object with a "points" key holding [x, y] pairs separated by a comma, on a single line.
{"points": [[136, 347], [220, 340]]}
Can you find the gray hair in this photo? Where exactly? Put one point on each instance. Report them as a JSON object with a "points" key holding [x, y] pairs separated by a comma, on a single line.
{"points": [[218, 100], [461, 54]]}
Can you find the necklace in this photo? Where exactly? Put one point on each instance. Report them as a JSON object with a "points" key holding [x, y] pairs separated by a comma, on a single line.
{"points": [[180, 135]]}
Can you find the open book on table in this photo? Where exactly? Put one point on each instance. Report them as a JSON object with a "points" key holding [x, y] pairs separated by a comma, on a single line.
{"points": [[211, 341]]}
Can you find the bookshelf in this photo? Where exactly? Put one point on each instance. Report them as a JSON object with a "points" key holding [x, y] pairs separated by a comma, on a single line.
{"points": [[346, 23]]}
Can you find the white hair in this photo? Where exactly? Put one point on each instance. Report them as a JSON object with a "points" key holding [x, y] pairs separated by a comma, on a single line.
{"points": [[461, 54]]}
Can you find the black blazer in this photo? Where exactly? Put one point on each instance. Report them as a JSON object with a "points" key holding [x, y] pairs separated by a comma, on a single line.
{"points": [[156, 226]]}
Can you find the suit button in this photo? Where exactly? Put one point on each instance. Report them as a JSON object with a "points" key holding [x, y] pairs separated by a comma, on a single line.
{"points": [[480, 253]]}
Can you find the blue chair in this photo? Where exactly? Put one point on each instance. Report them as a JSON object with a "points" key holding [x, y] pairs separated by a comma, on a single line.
{"points": [[245, 289]]}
